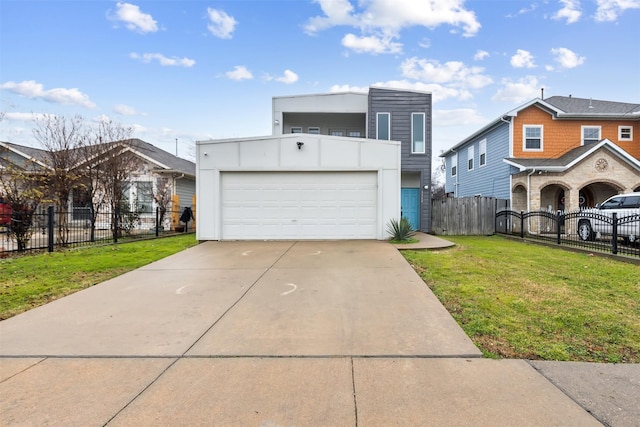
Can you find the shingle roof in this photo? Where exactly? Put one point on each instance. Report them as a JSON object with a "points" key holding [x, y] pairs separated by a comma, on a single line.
{"points": [[571, 105], [173, 163]]}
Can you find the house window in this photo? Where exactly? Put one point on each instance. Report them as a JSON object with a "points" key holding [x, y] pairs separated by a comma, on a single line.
{"points": [[590, 134], [625, 133], [355, 134], [417, 133], [336, 132], [296, 130], [144, 196], [483, 152], [470, 154], [454, 165], [533, 138], [314, 130], [383, 126]]}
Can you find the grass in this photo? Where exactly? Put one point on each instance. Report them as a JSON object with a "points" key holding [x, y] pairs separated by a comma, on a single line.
{"points": [[33, 280], [527, 301]]}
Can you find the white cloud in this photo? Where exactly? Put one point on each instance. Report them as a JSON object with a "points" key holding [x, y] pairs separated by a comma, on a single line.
{"points": [[347, 88], [609, 10], [134, 18], [220, 24], [570, 11], [289, 77], [524, 11], [452, 72], [518, 91], [34, 90], [25, 117], [388, 17], [480, 55], [371, 44], [438, 92], [163, 60], [457, 117], [125, 110], [522, 59], [239, 73], [567, 58]]}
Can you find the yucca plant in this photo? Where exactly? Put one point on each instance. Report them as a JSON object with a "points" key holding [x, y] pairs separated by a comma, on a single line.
{"points": [[400, 231]]}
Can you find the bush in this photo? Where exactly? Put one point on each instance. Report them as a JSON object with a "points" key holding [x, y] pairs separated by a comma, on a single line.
{"points": [[400, 230]]}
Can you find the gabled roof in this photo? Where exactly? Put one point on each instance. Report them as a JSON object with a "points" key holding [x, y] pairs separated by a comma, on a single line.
{"points": [[164, 161], [572, 158], [566, 107]]}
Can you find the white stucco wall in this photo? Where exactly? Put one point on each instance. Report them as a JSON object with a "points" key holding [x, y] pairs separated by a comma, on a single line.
{"points": [[281, 153], [348, 102]]}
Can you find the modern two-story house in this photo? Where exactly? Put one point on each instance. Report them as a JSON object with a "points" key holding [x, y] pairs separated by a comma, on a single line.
{"points": [[559, 153], [337, 165]]}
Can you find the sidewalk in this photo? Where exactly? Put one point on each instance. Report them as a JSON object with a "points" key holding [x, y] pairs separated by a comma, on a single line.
{"points": [[278, 334]]}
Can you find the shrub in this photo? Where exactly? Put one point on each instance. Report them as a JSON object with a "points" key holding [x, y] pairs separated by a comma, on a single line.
{"points": [[400, 230]]}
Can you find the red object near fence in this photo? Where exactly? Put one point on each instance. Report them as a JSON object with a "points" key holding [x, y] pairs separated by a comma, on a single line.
{"points": [[5, 214]]}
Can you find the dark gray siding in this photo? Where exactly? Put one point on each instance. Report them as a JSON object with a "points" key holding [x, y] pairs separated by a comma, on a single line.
{"points": [[400, 104]]}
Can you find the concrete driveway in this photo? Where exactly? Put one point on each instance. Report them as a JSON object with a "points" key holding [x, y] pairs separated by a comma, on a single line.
{"points": [[266, 334]]}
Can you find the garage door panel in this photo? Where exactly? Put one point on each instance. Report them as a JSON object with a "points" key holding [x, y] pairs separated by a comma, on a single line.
{"points": [[299, 205]]}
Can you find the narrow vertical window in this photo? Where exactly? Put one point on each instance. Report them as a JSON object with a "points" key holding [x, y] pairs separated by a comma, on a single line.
{"points": [[482, 152], [454, 165], [383, 126], [417, 133], [470, 154]]}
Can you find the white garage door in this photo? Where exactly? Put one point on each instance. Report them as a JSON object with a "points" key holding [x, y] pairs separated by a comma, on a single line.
{"points": [[299, 205]]}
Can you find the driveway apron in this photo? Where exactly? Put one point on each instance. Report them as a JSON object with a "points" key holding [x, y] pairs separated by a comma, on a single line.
{"points": [[263, 333]]}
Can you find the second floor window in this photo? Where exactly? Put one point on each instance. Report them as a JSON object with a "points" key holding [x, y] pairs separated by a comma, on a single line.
{"points": [[314, 130], [625, 133], [454, 165], [383, 126], [470, 155], [296, 130], [417, 133], [483, 152], [532, 138], [590, 134]]}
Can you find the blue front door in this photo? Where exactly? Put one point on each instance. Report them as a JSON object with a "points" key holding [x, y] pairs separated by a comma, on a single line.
{"points": [[410, 205]]}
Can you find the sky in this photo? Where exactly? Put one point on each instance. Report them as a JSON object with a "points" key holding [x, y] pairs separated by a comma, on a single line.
{"points": [[193, 69]]}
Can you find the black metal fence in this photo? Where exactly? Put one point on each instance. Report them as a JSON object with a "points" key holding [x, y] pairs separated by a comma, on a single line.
{"points": [[616, 234], [50, 228]]}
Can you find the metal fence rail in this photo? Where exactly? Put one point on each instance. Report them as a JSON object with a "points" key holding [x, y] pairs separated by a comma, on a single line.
{"points": [[619, 235], [51, 228]]}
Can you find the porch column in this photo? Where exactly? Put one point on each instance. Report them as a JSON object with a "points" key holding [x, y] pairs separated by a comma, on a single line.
{"points": [[571, 200]]}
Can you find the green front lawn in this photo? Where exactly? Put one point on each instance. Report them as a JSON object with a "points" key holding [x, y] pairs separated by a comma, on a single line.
{"points": [[33, 280], [519, 300]]}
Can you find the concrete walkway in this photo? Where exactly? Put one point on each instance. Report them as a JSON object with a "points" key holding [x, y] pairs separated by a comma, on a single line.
{"points": [[265, 334]]}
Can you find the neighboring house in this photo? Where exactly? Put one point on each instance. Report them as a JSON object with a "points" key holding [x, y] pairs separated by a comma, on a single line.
{"points": [[560, 153], [337, 166], [156, 167]]}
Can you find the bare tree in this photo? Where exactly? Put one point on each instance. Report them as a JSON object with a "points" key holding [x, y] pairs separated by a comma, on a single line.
{"points": [[61, 137], [23, 188], [108, 161], [162, 197]]}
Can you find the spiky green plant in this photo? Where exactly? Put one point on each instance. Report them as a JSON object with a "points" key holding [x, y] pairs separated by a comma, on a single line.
{"points": [[401, 230]]}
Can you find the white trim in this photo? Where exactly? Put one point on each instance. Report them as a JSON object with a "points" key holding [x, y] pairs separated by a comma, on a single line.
{"points": [[582, 129], [454, 164], [482, 149], [424, 131], [620, 129], [20, 153], [524, 137], [471, 160]]}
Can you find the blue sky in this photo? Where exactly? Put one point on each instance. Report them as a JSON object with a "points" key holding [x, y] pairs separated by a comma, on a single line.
{"points": [[197, 69]]}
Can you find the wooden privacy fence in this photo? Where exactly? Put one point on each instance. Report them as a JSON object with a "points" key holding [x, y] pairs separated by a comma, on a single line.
{"points": [[465, 215]]}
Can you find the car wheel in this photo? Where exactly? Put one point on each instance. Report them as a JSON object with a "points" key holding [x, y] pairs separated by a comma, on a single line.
{"points": [[585, 231]]}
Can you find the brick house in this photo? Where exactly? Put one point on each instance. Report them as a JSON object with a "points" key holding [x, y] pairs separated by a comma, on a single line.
{"points": [[559, 153]]}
